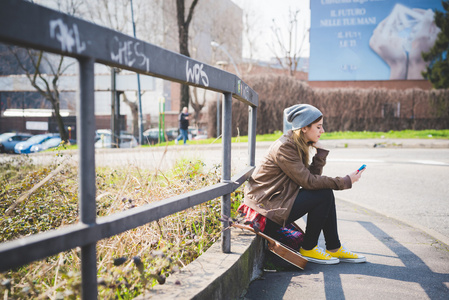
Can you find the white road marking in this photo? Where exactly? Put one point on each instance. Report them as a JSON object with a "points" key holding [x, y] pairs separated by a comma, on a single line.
{"points": [[420, 162]]}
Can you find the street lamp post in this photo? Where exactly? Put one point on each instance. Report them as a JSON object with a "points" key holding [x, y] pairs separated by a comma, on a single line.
{"points": [[138, 85], [221, 64], [216, 45]]}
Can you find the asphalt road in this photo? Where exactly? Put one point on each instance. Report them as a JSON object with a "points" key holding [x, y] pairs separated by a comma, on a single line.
{"points": [[409, 184]]}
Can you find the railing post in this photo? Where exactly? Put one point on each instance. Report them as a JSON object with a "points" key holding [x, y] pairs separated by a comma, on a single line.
{"points": [[252, 123], [86, 140], [226, 173]]}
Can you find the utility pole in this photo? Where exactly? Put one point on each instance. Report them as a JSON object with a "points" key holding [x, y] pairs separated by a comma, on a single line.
{"points": [[138, 84]]}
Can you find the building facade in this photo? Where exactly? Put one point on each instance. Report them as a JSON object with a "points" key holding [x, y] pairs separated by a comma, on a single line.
{"points": [[155, 23]]}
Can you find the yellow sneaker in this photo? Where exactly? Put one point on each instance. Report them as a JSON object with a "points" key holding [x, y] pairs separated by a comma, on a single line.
{"points": [[319, 256], [345, 255]]}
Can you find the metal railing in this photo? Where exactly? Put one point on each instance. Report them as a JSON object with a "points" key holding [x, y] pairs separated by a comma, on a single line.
{"points": [[29, 25]]}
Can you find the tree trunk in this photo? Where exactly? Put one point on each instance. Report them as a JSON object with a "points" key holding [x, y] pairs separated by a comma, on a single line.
{"points": [[183, 35], [197, 105], [57, 114], [135, 114], [185, 100], [62, 132]]}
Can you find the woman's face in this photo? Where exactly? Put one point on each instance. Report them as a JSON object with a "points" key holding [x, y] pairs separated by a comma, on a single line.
{"points": [[313, 133]]}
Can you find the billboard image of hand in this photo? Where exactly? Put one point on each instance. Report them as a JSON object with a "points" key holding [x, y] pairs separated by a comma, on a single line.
{"points": [[400, 39], [424, 38]]}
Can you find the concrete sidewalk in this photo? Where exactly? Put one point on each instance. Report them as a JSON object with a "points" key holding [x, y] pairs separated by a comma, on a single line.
{"points": [[402, 263]]}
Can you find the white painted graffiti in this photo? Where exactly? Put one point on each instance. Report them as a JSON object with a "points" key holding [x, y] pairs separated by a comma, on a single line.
{"points": [[128, 53], [197, 73], [68, 37]]}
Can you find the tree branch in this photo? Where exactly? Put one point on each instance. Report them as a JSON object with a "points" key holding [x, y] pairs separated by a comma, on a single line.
{"points": [[190, 15]]}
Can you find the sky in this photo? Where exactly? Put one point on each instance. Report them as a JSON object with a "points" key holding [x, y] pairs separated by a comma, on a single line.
{"points": [[262, 12]]}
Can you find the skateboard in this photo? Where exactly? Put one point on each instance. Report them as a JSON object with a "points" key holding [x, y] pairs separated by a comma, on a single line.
{"points": [[290, 255]]}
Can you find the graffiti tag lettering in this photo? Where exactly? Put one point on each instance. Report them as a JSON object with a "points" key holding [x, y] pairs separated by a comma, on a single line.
{"points": [[243, 89], [124, 54], [197, 73], [69, 38], [145, 60], [127, 53]]}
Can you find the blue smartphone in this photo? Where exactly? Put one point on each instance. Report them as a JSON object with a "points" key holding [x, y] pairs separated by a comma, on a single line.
{"points": [[361, 168]]}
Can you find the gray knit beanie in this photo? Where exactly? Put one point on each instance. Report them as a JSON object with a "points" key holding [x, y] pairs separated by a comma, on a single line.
{"points": [[301, 115]]}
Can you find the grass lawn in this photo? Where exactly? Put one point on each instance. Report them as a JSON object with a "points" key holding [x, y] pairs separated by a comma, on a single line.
{"points": [[338, 135]]}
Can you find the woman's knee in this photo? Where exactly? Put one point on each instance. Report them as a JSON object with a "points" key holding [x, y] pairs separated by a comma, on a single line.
{"points": [[328, 193], [325, 196]]}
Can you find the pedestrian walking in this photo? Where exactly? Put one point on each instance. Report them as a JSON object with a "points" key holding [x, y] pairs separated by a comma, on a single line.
{"points": [[183, 126], [287, 185]]}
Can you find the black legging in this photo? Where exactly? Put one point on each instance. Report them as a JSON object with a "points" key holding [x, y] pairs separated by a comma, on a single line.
{"points": [[320, 207]]}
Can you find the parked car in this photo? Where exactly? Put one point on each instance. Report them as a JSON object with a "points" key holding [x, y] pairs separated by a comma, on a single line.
{"points": [[172, 133], [25, 147], [126, 141], [101, 132], [48, 144], [6, 135], [196, 133], [3, 138], [9, 141], [151, 136], [200, 137]]}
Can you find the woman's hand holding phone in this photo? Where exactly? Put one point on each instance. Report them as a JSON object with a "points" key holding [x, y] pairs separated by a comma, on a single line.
{"points": [[363, 167], [355, 176]]}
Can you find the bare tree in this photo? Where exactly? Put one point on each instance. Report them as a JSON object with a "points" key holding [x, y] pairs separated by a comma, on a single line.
{"points": [[198, 102], [71, 7], [251, 34], [46, 86], [134, 112], [36, 64], [251, 42], [287, 52], [113, 14], [183, 35], [219, 28]]}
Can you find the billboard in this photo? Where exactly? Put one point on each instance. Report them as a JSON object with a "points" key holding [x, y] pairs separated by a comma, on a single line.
{"points": [[370, 39]]}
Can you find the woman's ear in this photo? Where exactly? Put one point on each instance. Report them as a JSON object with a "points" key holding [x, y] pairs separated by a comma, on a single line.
{"points": [[304, 129]]}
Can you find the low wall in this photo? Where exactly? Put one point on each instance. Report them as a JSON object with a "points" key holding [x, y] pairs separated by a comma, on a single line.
{"points": [[216, 275]]}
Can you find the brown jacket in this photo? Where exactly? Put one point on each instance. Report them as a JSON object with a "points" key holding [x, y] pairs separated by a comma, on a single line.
{"points": [[272, 188]]}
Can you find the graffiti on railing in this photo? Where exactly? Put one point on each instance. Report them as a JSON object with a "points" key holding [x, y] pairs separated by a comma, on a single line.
{"points": [[243, 89], [128, 53], [69, 38], [196, 73]]}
